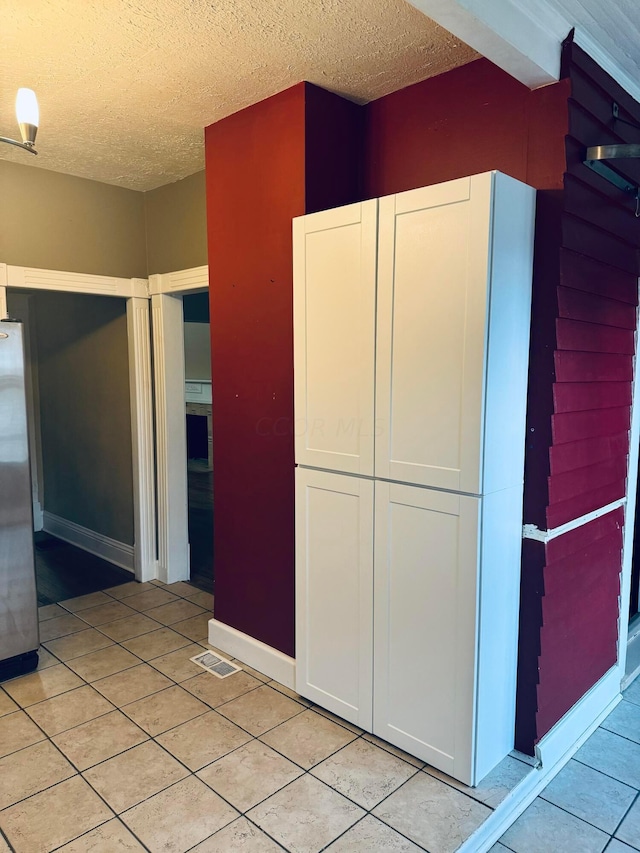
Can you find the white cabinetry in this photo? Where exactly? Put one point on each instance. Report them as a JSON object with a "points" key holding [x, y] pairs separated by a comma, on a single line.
{"points": [[335, 310], [334, 589], [411, 352]]}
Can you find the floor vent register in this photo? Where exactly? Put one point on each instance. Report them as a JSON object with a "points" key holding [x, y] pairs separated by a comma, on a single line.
{"points": [[220, 667]]}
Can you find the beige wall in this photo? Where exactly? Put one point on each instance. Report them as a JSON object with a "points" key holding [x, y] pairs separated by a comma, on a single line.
{"points": [[177, 225], [60, 222], [85, 420]]}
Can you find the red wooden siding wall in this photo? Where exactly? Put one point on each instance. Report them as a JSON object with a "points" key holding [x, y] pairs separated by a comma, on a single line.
{"points": [[584, 318]]}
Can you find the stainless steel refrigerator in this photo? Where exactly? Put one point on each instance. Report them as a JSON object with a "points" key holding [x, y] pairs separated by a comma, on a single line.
{"points": [[18, 601]]}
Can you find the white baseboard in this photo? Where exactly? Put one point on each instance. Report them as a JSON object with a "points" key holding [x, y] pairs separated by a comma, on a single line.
{"points": [[554, 751], [265, 659], [111, 550]]}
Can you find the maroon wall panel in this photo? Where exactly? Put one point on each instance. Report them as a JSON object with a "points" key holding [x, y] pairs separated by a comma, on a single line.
{"points": [[473, 119], [594, 291], [575, 396], [333, 150], [571, 586], [255, 174], [591, 337], [261, 172], [582, 273], [578, 454]]}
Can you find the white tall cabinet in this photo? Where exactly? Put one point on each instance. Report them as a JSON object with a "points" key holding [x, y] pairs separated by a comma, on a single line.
{"points": [[411, 321]]}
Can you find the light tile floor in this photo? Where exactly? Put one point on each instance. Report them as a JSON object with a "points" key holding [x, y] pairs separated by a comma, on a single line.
{"points": [[120, 743]]}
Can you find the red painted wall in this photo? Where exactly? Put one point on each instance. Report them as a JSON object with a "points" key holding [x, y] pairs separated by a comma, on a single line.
{"points": [[470, 120], [255, 174], [262, 169], [300, 151]]}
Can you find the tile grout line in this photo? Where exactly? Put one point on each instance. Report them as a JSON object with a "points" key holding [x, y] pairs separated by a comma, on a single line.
{"points": [[634, 802], [305, 771], [604, 773], [571, 814], [254, 738], [358, 735]]}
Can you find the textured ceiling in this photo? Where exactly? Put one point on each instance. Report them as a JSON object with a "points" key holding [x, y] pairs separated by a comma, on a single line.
{"points": [[126, 86]]}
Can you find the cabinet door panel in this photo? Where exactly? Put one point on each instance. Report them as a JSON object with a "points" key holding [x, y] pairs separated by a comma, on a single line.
{"points": [[334, 592], [425, 624], [334, 339], [432, 321]]}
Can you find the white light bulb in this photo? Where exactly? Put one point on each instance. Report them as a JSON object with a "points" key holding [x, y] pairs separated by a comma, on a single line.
{"points": [[27, 111]]}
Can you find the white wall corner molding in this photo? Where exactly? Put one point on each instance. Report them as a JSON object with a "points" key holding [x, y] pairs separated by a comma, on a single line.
{"points": [[171, 438], [138, 333], [254, 653], [522, 38], [103, 546], [195, 278], [71, 282], [621, 68], [531, 531]]}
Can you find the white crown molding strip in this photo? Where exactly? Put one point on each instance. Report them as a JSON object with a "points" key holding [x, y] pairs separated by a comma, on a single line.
{"points": [[69, 282], [118, 553], [196, 278], [531, 531], [623, 77], [258, 655]]}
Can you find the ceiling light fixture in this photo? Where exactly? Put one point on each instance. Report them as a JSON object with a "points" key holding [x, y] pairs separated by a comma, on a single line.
{"points": [[28, 116]]}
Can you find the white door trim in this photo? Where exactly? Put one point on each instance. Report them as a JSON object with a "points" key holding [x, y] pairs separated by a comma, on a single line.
{"points": [[181, 281], [167, 290], [171, 437], [135, 291], [140, 388], [630, 510]]}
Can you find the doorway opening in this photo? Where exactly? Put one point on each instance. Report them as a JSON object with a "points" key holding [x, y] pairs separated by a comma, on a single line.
{"points": [[199, 461], [80, 437], [183, 554]]}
